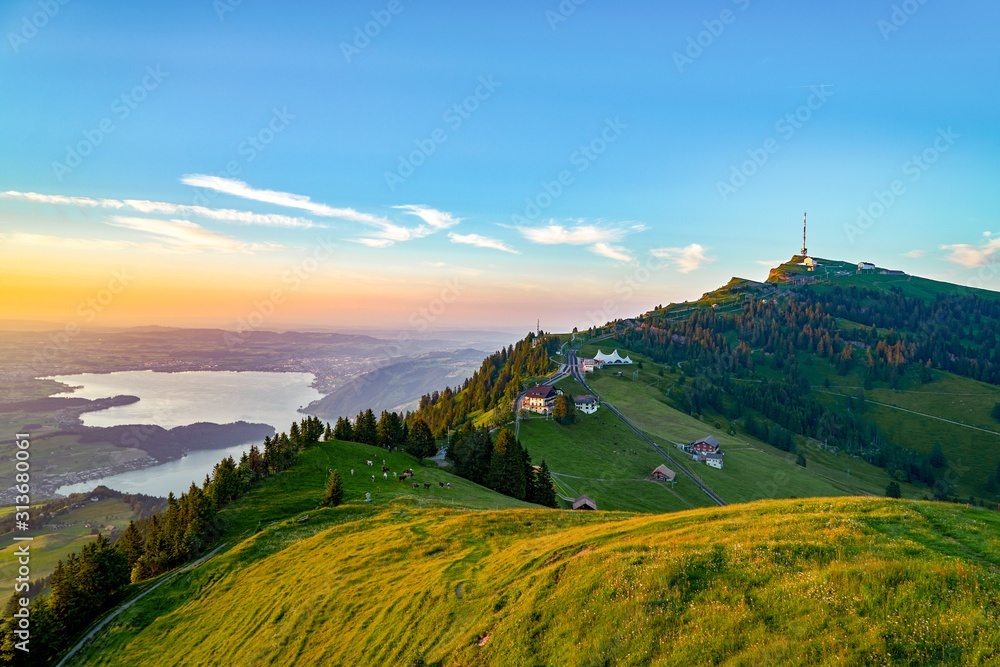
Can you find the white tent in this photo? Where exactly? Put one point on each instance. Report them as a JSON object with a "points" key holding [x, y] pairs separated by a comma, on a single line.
{"points": [[611, 359]]}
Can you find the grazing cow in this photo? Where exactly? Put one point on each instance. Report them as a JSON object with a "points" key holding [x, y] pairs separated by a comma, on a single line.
{"points": [[416, 486], [427, 485], [385, 475], [352, 472], [441, 484], [448, 485], [373, 478]]}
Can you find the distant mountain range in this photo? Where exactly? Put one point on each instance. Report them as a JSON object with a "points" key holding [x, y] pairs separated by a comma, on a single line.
{"points": [[398, 386]]}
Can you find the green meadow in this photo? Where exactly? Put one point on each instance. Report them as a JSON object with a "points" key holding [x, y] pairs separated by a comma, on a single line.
{"points": [[817, 581]]}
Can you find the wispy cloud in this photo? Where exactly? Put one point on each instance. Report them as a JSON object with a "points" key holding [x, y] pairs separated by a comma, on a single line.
{"points": [[598, 237], [769, 263], [970, 256], [554, 234], [375, 243], [611, 252], [387, 233], [48, 241], [481, 242], [164, 208], [914, 254], [689, 258], [240, 189], [436, 219], [186, 235]]}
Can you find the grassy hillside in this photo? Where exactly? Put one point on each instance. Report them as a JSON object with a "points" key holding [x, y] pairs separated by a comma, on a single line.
{"points": [[599, 456], [800, 352], [754, 470], [300, 488], [857, 581]]}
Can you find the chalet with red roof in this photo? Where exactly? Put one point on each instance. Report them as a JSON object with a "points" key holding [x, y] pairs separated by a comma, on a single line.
{"points": [[707, 445]]}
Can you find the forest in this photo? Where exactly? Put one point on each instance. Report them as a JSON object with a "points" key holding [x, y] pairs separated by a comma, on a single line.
{"points": [[744, 365]]}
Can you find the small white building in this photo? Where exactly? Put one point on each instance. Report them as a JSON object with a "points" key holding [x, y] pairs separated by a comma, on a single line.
{"points": [[589, 365], [866, 267], [587, 404], [713, 460]]}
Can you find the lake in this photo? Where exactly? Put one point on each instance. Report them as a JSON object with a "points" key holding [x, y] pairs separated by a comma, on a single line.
{"points": [[178, 399]]}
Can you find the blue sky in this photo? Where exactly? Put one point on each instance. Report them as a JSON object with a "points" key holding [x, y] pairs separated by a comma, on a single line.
{"points": [[689, 141]]}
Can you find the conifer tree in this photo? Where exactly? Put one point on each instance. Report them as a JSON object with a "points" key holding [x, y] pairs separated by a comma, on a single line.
{"points": [[334, 490], [506, 473], [366, 428], [343, 430], [420, 442], [543, 492]]}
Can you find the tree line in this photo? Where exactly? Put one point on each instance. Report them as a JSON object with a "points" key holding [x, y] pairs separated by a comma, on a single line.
{"points": [[391, 430]]}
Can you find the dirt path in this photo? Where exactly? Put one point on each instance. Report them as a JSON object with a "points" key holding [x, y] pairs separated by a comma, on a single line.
{"points": [[114, 614]]}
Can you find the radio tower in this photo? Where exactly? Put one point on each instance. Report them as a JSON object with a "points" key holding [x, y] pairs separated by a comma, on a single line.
{"points": [[804, 251]]}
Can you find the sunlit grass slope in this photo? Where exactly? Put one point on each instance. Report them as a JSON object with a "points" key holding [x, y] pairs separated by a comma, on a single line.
{"points": [[818, 581]]}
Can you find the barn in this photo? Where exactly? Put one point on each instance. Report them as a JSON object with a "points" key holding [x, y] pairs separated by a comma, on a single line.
{"points": [[663, 474]]}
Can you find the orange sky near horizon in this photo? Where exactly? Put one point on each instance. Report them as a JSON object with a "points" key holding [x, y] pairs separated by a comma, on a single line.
{"points": [[95, 283]]}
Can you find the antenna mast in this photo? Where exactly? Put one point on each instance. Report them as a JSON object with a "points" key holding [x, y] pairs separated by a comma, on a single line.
{"points": [[804, 251]]}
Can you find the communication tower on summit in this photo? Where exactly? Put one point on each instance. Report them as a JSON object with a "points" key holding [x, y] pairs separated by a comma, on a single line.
{"points": [[804, 251]]}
